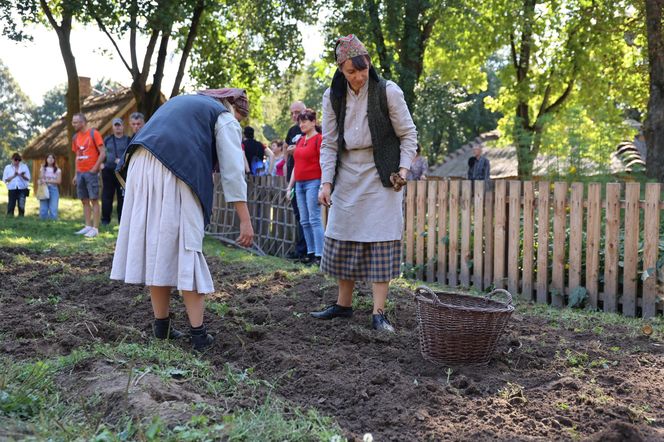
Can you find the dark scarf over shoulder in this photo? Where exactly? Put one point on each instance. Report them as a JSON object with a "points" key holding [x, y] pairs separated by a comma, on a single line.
{"points": [[386, 144]]}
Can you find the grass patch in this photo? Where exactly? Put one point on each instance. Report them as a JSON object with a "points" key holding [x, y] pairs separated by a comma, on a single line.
{"points": [[32, 406]]}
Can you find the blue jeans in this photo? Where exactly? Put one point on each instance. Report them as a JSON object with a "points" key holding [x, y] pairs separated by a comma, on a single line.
{"points": [[310, 215], [48, 209]]}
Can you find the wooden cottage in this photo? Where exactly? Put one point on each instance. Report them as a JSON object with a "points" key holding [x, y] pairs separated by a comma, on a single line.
{"points": [[504, 161], [100, 110]]}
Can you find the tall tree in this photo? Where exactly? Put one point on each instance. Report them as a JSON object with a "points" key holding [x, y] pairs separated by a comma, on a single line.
{"points": [[15, 107], [163, 21], [560, 52], [253, 44], [654, 127], [397, 33], [53, 107]]}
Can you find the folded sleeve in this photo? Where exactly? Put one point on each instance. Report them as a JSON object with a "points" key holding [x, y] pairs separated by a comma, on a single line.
{"points": [[228, 134], [402, 122], [329, 146]]}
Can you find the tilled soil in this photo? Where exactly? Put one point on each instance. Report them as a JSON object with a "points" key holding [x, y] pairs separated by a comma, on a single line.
{"points": [[544, 382]]}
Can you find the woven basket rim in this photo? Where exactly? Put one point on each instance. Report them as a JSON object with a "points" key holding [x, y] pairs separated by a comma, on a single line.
{"points": [[504, 308]]}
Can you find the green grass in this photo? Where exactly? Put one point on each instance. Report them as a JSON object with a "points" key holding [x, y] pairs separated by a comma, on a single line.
{"points": [[33, 407]]}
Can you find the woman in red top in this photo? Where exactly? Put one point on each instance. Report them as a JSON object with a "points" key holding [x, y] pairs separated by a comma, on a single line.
{"points": [[306, 181]]}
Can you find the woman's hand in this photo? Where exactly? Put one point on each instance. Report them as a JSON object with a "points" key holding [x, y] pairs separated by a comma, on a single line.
{"points": [[325, 195], [246, 237]]}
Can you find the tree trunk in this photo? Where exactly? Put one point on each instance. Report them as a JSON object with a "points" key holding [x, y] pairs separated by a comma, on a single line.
{"points": [[654, 125], [411, 55], [73, 99]]}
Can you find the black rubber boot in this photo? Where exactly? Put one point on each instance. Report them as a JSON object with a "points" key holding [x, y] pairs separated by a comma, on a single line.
{"points": [[200, 339], [163, 329]]}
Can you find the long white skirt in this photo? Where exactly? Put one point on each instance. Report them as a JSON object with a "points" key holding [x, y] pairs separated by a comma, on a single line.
{"points": [[160, 241]]}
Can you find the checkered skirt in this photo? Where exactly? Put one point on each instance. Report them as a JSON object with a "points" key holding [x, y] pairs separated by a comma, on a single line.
{"points": [[361, 261]]}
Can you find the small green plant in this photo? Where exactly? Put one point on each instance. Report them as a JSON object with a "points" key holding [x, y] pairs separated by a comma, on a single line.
{"points": [[563, 406], [220, 309]]}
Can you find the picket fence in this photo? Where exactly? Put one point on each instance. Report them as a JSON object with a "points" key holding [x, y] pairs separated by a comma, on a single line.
{"points": [[544, 241]]}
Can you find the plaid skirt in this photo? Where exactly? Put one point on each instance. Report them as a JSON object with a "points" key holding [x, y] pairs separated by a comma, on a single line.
{"points": [[361, 261]]}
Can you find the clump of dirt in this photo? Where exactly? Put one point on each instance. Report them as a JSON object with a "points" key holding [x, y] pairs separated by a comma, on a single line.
{"points": [[115, 393], [545, 381]]}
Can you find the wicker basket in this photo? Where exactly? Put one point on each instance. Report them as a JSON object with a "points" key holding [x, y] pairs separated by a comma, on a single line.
{"points": [[458, 329]]}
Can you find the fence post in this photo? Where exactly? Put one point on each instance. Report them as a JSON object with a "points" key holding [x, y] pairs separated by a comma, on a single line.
{"points": [[478, 233], [466, 191], [593, 231], [575, 236], [431, 230], [559, 242], [410, 222], [528, 240], [499, 235], [543, 242], [611, 247], [454, 233], [441, 239], [631, 247], [651, 240], [514, 237], [421, 222]]}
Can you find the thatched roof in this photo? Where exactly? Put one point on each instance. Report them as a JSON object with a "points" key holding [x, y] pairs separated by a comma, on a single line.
{"points": [[504, 161], [99, 110]]}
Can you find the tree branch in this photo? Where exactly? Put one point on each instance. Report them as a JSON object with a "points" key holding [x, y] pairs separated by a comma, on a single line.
{"points": [[132, 39], [102, 27], [568, 90], [515, 62], [49, 15], [545, 100], [148, 56], [193, 30]]}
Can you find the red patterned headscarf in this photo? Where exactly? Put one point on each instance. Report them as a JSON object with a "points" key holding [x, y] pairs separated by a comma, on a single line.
{"points": [[235, 96], [348, 47]]}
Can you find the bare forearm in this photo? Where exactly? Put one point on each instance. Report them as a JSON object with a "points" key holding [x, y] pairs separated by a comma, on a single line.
{"points": [[242, 211]]}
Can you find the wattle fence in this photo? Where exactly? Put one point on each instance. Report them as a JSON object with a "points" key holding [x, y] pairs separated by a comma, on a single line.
{"points": [[548, 242]]}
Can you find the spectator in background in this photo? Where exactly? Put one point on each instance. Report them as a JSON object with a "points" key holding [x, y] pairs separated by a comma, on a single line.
{"points": [[136, 121], [306, 180], [90, 154], [51, 176], [17, 177], [279, 159], [255, 153], [116, 146], [418, 169], [291, 138], [480, 169]]}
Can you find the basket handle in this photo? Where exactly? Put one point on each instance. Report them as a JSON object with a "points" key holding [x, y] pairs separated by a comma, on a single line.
{"points": [[503, 292], [424, 290]]}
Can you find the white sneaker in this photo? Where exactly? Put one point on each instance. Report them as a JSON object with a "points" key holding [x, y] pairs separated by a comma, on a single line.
{"points": [[84, 230], [92, 233]]}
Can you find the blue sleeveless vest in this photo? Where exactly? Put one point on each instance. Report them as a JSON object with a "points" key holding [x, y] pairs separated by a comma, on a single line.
{"points": [[181, 136]]}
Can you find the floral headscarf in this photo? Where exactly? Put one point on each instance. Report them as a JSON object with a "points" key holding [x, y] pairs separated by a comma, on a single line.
{"points": [[348, 47], [236, 97]]}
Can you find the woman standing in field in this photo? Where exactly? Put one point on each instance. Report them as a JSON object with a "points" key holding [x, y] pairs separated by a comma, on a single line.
{"points": [[168, 201], [306, 181], [369, 142], [50, 175]]}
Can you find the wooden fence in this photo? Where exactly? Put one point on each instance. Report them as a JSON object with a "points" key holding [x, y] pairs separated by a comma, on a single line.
{"points": [[271, 215], [543, 241]]}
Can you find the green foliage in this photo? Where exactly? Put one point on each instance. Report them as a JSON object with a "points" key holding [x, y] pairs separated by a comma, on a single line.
{"points": [[557, 55], [244, 44], [15, 108], [447, 116], [54, 106]]}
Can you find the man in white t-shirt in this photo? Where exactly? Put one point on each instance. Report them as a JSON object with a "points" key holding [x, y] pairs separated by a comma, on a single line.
{"points": [[17, 178]]}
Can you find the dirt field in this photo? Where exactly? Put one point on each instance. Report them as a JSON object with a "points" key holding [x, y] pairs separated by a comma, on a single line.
{"points": [[555, 376]]}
